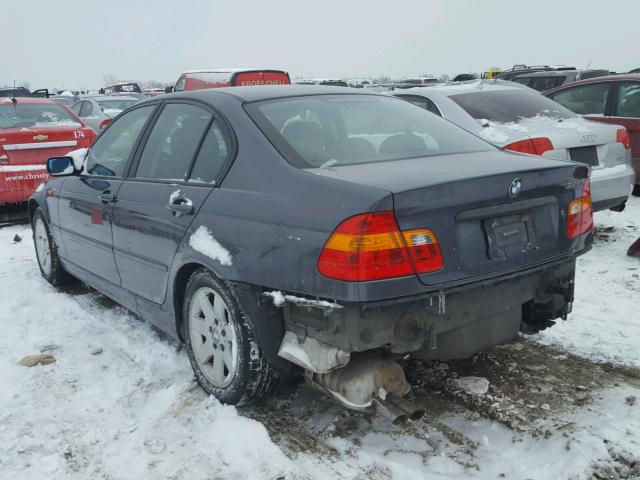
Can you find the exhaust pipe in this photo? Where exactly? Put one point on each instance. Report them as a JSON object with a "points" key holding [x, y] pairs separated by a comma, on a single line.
{"points": [[409, 408], [359, 385], [388, 410]]}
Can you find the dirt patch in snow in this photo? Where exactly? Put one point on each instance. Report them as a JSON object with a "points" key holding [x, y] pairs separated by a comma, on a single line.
{"points": [[528, 382]]}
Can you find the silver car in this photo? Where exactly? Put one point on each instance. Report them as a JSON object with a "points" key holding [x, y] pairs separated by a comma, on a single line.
{"points": [[97, 112], [518, 118]]}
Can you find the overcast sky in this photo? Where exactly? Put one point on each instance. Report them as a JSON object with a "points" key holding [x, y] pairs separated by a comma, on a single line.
{"points": [[73, 43]]}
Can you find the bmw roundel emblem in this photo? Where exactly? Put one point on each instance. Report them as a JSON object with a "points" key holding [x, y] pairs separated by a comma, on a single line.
{"points": [[515, 187]]}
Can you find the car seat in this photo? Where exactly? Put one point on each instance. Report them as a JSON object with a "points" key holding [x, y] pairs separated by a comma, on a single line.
{"points": [[404, 145], [307, 139]]}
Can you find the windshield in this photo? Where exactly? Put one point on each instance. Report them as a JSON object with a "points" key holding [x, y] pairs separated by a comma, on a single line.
{"points": [[35, 115], [116, 104], [328, 130], [506, 106]]}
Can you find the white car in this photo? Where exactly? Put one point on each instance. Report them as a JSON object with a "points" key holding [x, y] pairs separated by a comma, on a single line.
{"points": [[98, 111], [517, 118]]}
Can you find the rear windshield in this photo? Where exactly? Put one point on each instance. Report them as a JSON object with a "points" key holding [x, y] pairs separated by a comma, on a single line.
{"points": [[116, 104], [506, 106], [328, 130], [124, 87], [26, 116]]}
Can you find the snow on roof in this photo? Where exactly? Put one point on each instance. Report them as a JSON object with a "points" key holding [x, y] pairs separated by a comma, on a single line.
{"points": [[29, 100], [230, 70]]}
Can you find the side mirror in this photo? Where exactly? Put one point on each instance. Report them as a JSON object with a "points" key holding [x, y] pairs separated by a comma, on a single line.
{"points": [[168, 89], [60, 166]]}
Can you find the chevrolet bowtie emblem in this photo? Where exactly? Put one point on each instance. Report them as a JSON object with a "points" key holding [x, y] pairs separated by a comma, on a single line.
{"points": [[41, 137]]}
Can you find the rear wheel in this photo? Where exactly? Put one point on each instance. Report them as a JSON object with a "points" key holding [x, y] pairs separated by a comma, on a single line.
{"points": [[222, 348], [636, 190], [47, 252]]}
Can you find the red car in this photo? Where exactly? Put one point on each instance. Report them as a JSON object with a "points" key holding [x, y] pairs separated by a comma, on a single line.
{"points": [[31, 131], [229, 77], [611, 99]]}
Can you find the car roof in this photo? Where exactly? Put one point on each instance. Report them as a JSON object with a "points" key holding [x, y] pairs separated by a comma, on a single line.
{"points": [[269, 92], [29, 100], [232, 70], [557, 73]]}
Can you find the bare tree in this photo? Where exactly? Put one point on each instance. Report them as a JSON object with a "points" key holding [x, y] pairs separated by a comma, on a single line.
{"points": [[109, 79]]}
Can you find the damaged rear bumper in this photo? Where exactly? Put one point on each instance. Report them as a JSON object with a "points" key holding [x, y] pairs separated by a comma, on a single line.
{"points": [[444, 324]]}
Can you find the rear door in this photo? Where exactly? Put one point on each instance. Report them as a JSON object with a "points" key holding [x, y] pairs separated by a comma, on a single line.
{"points": [[625, 110], [86, 201], [167, 184]]}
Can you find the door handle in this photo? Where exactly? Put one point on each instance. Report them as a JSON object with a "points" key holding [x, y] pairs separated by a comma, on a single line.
{"points": [[180, 207], [107, 197]]}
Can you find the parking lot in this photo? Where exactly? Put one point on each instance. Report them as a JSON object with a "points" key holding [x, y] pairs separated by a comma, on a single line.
{"points": [[120, 401]]}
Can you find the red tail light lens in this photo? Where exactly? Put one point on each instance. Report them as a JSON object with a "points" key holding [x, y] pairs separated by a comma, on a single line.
{"points": [[372, 247], [580, 213], [532, 146], [622, 136], [105, 123]]}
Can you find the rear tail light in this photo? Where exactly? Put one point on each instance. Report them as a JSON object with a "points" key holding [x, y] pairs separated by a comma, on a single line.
{"points": [[622, 136], [105, 123], [580, 213], [4, 158], [372, 247], [532, 146]]}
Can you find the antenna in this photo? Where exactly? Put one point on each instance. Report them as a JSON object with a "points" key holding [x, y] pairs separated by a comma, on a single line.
{"points": [[13, 99], [588, 65]]}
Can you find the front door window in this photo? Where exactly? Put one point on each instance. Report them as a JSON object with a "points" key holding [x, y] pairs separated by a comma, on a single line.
{"points": [[110, 153]]}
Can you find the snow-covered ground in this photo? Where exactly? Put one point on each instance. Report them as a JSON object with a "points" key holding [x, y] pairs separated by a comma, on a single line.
{"points": [[120, 401]]}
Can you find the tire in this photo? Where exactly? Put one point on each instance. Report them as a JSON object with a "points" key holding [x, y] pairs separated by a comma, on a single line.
{"points": [[636, 190], [224, 354], [47, 252]]}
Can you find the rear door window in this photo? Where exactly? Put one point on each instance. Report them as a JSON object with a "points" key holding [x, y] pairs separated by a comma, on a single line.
{"points": [[87, 109], [173, 142], [628, 100], [211, 157], [585, 99], [110, 153]]}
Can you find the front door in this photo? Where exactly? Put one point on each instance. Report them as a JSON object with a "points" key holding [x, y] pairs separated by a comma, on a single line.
{"points": [[168, 183], [86, 201]]}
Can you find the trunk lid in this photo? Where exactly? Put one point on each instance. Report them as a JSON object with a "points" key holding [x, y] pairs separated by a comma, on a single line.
{"points": [[32, 146], [573, 139], [464, 199]]}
